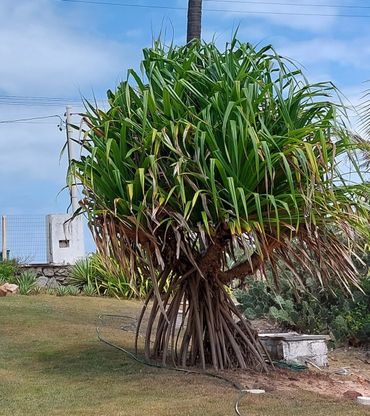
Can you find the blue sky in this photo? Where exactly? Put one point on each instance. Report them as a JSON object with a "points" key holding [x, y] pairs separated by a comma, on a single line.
{"points": [[51, 48]]}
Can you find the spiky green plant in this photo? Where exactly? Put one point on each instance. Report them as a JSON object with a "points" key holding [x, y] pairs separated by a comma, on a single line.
{"points": [[73, 291], [207, 153], [105, 274], [66, 291], [26, 282], [82, 273], [61, 291], [89, 290]]}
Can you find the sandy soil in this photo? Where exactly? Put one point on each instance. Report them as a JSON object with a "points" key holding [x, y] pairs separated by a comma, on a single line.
{"points": [[326, 382]]}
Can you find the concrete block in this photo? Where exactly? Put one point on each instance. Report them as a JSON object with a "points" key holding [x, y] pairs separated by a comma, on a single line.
{"points": [[364, 400], [297, 348]]}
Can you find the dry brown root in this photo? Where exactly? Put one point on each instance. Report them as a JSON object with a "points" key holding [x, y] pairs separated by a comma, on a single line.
{"points": [[202, 327]]}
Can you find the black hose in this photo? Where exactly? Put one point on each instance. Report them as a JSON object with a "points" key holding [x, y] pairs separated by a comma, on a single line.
{"points": [[237, 386]]}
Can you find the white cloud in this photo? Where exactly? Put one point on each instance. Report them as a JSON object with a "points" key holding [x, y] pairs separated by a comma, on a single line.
{"points": [[247, 33], [353, 52], [41, 53], [31, 150], [295, 16]]}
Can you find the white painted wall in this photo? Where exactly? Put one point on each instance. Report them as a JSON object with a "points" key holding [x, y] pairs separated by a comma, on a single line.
{"points": [[65, 239]]}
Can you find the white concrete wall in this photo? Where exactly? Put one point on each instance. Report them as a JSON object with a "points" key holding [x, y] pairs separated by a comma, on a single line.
{"points": [[302, 350], [65, 239]]}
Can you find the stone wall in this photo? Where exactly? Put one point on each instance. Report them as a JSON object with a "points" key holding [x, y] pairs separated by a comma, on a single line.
{"points": [[49, 275]]}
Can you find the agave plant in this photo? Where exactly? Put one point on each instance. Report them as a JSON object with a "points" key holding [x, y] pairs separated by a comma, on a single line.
{"points": [[82, 273], [61, 291], [89, 290], [26, 282], [105, 275], [206, 154]]}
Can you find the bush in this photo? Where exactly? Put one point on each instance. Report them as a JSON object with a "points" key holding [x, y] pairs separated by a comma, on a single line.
{"points": [[101, 275], [26, 282], [8, 270], [61, 291], [331, 311], [73, 291], [89, 290], [82, 273]]}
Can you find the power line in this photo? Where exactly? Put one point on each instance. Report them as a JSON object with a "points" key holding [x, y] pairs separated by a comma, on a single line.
{"points": [[44, 123], [21, 120], [28, 97], [144, 6], [155, 6], [32, 101], [35, 105], [269, 3], [28, 104], [37, 101]]}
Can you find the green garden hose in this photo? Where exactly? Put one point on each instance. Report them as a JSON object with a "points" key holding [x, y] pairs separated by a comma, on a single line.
{"points": [[242, 391]]}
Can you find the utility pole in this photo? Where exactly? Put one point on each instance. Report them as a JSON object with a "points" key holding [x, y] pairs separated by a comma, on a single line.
{"points": [[71, 156], [4, 238], [194, 20]]}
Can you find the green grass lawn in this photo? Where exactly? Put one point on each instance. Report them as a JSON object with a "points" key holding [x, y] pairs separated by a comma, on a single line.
{"points": [[51, 363]]}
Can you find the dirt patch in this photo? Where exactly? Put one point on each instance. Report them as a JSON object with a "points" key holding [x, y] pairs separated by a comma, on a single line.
{"points": [[352, 365]]}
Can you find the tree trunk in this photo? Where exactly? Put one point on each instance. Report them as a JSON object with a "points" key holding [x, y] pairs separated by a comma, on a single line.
{"points": [[194, 20], [202, 327]]}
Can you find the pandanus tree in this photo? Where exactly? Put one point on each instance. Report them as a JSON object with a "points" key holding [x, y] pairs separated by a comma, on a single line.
{"points": [[206, 168]]}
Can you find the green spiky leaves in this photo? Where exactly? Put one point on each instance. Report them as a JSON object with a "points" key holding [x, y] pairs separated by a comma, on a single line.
{"points": [[236, 140]]}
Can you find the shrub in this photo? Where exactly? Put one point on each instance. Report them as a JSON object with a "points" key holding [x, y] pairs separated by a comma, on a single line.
{"points": [[89, 290], [26, 282], [8, 270], [256, 300], [82, 273], [73, 290], [61, 291], [331, 311], [38, 290], [100, 275]]}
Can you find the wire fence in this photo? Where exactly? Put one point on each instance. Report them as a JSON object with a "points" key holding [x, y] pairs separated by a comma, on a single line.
{"points": [[25, 238]]}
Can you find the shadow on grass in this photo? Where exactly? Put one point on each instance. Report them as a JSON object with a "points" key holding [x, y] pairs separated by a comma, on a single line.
{"points": [[90, 361], [96, 362]]}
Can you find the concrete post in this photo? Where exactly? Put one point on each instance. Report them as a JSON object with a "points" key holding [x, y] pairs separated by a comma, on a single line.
{"points": [[4, 238]]}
